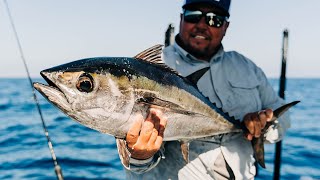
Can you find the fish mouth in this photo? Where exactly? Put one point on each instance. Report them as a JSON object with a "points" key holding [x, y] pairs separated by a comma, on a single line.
{"points": [[50, 83], [52, 92]]}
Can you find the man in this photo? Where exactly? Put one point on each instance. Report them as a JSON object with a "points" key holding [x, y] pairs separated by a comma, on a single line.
{"points": [[231, 81]]}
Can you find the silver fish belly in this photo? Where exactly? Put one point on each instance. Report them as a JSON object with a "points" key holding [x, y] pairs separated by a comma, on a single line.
{"points": [[105, 93]]}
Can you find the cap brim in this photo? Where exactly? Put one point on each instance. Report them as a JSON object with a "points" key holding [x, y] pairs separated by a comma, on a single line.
{"points": [[223, 11]]}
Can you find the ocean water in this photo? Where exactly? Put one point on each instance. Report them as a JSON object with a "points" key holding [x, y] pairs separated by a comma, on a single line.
{"points": [[86, 154]]}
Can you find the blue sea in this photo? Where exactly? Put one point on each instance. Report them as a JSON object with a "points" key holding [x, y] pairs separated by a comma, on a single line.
{"points": [[86, 154]]}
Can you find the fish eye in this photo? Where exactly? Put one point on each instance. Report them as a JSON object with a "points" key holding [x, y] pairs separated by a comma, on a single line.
{"points": [[85, 83]]}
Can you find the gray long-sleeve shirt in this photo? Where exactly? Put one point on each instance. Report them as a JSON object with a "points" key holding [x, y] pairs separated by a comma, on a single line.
{"points": [[238, 86]]}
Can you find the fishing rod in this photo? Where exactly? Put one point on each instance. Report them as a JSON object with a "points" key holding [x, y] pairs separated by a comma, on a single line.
{"points": [[282, 88], [169, 36], [57, 168]]}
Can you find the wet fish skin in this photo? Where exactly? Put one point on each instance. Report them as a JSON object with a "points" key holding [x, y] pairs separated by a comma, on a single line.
{"points": [[103, 93], [126, 83]]}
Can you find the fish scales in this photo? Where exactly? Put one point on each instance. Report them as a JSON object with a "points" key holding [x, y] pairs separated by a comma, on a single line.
{"points": [[104, 94], [147, 79]]}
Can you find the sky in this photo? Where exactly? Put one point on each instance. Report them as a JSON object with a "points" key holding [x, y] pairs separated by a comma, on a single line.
{"points": [[56, 32]]}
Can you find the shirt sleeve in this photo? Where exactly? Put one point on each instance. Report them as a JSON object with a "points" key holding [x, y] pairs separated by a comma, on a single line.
{"points": [[135, 165], [270, 99]]}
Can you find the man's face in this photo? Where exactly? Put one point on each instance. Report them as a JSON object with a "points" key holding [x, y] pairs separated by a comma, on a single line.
{"points": [[199, 39]]}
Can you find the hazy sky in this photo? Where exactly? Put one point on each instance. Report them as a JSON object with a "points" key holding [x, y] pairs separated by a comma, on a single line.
{"points": [[56, 32]]}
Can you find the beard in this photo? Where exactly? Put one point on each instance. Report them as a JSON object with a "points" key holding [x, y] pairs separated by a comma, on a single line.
{"points": [[202, 53]]}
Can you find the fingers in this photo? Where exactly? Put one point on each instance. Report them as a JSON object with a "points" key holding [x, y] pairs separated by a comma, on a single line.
{"points": [[257, 127], [249, 136], [249, 123], [256, 122], [269, 114], [133, 133], [253, 125], [152, 122], [163, 124], [153, 137], [156, 117], [147, 137], [262, 117]]}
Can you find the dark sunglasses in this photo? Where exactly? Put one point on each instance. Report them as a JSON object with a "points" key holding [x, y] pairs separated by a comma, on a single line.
{"points": [[211, 18]]}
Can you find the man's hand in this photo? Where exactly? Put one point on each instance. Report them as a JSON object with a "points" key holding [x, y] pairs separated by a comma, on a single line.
{"points": [[144, 138], [256, 122]]}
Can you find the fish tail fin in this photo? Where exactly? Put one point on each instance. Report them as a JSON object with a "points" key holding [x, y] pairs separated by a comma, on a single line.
{"points": [[278, 112], [258, 143]]}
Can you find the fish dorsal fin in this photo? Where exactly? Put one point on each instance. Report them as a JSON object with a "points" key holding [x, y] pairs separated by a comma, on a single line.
{"points": [[152, 54]]}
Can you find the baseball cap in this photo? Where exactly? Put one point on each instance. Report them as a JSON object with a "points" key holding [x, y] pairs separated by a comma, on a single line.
{"points": [[222, 4]]}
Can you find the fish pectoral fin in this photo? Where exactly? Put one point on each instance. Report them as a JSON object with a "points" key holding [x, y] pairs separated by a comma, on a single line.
{"points": [[153, 101], [258, 148], [168, 106], [184, 145]]}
